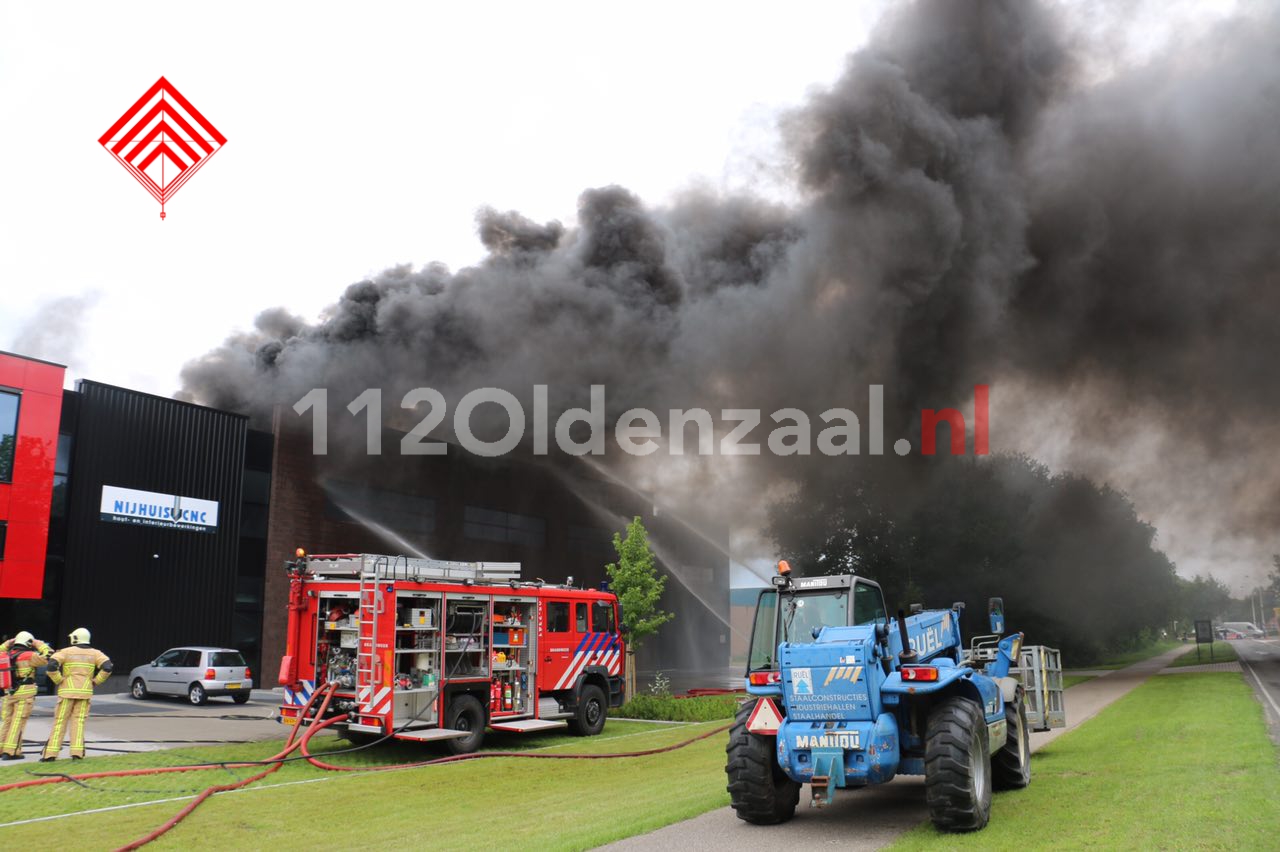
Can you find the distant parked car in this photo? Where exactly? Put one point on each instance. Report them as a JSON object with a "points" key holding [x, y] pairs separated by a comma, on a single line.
{"points": [[199, 673], [1245, 629]]}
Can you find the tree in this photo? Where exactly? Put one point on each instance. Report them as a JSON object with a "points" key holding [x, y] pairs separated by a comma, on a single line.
{"points": [[639, 588], [1076, 566]]}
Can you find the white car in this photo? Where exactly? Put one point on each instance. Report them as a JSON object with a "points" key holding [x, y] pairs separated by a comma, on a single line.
{"points": [[197, 672], [1245, 629]]}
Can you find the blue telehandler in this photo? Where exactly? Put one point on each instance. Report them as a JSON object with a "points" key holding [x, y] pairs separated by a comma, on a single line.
{"points": [[845, 696]]}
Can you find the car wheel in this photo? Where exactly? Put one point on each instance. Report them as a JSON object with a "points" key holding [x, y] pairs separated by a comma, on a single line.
{"points": [[241, 698], [139, 689], [196, 694]]}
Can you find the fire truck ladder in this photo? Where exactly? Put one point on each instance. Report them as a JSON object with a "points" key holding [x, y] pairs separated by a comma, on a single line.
{"points": [[407, 568], [373, 695]]}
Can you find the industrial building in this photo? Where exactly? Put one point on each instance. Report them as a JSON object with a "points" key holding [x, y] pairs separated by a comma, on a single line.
{"points": [[156, 522]]}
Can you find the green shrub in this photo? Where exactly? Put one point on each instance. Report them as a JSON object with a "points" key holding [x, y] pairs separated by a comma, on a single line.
{"points": [[664, 708]]}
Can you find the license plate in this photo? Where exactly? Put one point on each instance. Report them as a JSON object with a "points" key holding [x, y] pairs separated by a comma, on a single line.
{"points": [[233, 686], [289, 720]]}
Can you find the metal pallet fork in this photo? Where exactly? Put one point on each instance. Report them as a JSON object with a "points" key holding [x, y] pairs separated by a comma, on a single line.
{"points": [[1040, 670]]}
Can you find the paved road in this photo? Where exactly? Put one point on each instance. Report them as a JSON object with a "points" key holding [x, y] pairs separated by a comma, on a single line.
{"points": [[120, 723], [872, 817], [1261, 661]]}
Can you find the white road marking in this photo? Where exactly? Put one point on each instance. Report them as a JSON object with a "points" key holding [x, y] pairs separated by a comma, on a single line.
{"points": [[1274, 706], [151, 802]]}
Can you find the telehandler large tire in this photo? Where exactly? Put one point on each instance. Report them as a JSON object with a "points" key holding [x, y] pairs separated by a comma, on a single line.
{"points": [[1011, 765], [759, 790], [957, 766]]}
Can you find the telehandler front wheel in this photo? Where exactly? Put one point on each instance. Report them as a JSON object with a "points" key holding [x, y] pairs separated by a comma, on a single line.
{"points": [[957, 766], [759, 790], [1011, 765]]}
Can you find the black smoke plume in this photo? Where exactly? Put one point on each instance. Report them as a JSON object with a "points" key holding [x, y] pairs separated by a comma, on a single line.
{"points": [[980, 203]]}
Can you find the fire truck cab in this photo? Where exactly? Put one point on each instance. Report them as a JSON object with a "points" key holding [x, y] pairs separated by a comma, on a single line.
{"points": [[427, 650]]}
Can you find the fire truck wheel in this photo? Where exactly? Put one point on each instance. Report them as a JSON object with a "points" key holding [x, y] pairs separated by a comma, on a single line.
{"points": [[759, 790], [957, 766], [465, 714], [196, 694], [139, 689], [1011, 765], [591, 712]]}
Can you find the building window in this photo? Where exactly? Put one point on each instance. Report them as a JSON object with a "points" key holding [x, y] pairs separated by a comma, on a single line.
{"points": [[406, 515], [488, 525], [8, 433], [592, 542], [62, 461]]}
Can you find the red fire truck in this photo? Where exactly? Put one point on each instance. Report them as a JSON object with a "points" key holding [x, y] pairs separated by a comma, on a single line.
{"points": [[428, 650]]}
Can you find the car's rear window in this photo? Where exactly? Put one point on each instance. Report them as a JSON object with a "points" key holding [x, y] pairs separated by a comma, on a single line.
{"points": [[222, 659]]}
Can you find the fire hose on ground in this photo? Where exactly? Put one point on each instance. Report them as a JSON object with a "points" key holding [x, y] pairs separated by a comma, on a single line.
{"points": [[299, 744]]}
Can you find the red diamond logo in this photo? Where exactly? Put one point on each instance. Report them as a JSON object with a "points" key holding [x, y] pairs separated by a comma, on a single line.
{"points": [[162, 140]]}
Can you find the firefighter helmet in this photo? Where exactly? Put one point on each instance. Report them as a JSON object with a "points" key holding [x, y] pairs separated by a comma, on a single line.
{"points": [[79, 636], [23, 638]]}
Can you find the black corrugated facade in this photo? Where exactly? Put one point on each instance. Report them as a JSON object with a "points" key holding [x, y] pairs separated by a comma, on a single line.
{"points": [[141, 589]]}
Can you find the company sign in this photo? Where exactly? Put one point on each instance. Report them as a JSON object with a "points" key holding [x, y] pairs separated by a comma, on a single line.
{"points": [[147, 508]]}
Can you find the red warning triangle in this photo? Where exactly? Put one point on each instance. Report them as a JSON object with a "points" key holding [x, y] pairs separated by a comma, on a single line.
{"points": [[765, 719]]}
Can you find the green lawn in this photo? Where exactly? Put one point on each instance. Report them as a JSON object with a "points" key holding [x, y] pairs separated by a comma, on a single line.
{"points": [[1223, 652], [1179, 763], [1119, 661], [473, 804], [1069, 681], [701, 708]]}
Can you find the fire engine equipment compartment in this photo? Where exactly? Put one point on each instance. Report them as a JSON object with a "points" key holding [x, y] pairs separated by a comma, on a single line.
{"points": [[514, 663], [466, 638], [417, 657]]}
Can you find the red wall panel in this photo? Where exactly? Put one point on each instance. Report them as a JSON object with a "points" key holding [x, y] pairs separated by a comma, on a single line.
{"points": [[24, 502]]}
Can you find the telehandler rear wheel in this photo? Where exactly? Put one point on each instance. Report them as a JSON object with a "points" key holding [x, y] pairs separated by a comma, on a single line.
{"points": [[957, 766], [1011, 765], [759, 790]]}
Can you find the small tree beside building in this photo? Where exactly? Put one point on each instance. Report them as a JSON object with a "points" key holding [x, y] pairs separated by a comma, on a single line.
{"points": [[636, 582]]}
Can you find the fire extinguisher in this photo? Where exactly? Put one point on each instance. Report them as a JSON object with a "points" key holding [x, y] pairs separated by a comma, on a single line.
{"points": [[506, 696], [6, 676], [495, 696]]}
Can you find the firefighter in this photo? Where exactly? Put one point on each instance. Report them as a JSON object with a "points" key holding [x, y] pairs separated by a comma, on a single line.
{"points": [[26, 654], [75, 671]]}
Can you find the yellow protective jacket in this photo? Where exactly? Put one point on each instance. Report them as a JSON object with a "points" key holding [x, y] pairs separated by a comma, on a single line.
{"points": [[26, 659], [77, 670]]}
